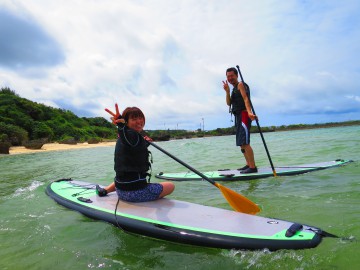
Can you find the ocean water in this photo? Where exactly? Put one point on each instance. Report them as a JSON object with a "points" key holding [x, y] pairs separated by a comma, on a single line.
{"points": [[37, 233]]}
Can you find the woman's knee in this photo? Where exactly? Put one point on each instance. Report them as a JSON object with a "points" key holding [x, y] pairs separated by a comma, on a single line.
{"points": [[168, 188]]}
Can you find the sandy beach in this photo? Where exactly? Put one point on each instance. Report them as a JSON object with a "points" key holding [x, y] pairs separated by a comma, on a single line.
{"points": [[57, 147]]}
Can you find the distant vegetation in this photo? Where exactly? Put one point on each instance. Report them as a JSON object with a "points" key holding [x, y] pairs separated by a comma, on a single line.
{"points": [[181, 134], [23, 121], [311, 126]]}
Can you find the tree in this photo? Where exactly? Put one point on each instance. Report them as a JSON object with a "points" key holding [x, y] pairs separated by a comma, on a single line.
{"points": [[41, 130], [16, 135]]}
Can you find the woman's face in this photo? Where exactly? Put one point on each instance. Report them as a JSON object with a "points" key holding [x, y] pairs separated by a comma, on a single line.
{"points": [[136, 123]]}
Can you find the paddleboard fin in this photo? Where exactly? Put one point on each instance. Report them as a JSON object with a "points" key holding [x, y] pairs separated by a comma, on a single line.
{"points": [[324, 233]]}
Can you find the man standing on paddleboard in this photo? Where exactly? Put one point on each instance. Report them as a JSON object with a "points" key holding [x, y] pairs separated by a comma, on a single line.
{"points": [[239, 102]]}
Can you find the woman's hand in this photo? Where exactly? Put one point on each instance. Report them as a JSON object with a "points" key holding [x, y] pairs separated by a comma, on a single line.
{"points": [[147, 138], [115, 119]]}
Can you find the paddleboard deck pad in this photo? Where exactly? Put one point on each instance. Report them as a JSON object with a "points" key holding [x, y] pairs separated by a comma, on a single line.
{"points": [[236, 175], [185, 222]]}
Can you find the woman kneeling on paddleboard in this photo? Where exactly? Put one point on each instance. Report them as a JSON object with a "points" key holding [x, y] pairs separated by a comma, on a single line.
{"points": [[132, 161]]}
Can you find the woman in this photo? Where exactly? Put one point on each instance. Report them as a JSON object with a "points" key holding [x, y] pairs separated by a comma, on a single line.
{"points": [[132, 161]]}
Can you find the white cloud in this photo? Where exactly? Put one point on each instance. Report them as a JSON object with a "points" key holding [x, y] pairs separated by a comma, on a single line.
{"points": [[356, 98], [169, 58]]}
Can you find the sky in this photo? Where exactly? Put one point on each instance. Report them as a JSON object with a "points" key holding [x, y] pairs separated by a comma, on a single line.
{"points": [[300, 58]]}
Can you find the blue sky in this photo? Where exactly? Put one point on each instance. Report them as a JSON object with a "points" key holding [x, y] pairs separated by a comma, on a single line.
{"points": [[169, 58]]}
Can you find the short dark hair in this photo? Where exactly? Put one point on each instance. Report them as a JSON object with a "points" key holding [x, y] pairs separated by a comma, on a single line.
{"points": [[132, 112], [233, 70]]}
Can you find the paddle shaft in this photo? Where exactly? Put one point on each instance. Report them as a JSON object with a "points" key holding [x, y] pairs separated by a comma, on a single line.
{"points": [[258, 125], [183, 163]]}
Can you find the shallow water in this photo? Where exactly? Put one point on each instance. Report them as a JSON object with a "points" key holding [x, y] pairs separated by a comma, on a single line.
{"points": [[37, 233]]}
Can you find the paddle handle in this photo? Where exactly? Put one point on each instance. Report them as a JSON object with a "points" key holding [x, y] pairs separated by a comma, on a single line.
{"points": [[183, 163], [258, 125]]}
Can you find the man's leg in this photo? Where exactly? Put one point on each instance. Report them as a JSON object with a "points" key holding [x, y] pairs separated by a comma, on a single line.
{"points": [[247, 163], [249, 155]]}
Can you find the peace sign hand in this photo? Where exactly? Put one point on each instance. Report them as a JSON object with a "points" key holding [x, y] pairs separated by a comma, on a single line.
{"points": [[115, 116], [226, 86]]}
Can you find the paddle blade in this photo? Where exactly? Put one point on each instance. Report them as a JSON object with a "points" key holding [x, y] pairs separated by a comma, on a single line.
{"points": [[237, 201]]}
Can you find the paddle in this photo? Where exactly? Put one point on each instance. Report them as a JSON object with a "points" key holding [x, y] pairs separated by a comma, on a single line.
{"points": [[236, 201], [258, 125]]}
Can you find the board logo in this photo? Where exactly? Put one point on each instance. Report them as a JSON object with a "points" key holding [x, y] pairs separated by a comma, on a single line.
{"points": [[273, 222]]}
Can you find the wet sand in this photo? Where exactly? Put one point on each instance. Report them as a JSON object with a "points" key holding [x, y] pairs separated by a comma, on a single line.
{"points": [[57, 147]]}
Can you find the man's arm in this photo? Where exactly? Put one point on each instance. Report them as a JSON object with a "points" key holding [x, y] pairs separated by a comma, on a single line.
{"points": [[241, 88]]}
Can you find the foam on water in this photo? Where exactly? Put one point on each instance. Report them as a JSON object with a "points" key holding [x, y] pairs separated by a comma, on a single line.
{"points": [[28, 190]]}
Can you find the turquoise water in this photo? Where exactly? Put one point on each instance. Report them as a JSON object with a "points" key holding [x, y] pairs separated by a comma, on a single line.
{"points": [[37, 233]]}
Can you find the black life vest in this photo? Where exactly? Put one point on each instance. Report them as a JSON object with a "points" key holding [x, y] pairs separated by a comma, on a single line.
{"points": [[237, 101], [131, 158]]}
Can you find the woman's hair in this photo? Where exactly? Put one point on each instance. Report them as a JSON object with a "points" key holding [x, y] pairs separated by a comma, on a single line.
{"points": [[132, 112]]}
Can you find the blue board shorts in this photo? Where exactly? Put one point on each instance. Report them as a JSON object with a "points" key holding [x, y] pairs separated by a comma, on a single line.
{"points": [[243, 125], [151, 192]]}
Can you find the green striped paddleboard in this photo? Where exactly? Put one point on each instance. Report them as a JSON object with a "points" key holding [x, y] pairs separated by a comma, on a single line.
{"points": [[236, 175]]}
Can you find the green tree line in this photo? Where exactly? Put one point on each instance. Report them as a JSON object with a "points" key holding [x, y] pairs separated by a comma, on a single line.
{"points": [[22, 120]]}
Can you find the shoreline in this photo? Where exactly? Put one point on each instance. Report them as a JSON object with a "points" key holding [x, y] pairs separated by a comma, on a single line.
{"points": [[15, 150]]}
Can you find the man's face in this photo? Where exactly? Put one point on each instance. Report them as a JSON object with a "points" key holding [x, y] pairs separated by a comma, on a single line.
{"points": [[231, 77]]}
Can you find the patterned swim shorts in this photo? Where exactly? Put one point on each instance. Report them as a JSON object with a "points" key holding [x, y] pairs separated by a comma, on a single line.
{"points": [[150, 193], [243, 125]]}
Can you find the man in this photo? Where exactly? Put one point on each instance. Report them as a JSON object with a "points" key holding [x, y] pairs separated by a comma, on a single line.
{"points": [[239, 100]]}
